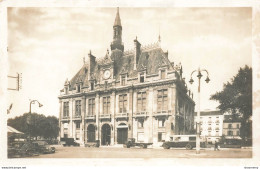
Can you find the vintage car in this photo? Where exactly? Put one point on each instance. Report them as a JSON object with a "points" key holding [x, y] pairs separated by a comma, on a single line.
{"points": [[69, 142], [43, 147], [27, 149], [131, 143], [183, 141]]}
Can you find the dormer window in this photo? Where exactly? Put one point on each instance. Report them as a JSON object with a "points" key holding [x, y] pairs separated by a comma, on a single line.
{"points": [[141, 78], [78, 88], [92, 86], [163, 74], [123, 78]]}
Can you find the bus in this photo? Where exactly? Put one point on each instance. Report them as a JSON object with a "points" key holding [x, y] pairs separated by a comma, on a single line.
{"points": [[183, 141]]}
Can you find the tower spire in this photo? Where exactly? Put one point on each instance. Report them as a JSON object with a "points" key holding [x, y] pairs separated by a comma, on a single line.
{"points": [[117, 34], [117, 20]]}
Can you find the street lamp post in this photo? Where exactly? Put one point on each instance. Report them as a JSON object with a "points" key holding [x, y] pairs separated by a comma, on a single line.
{"points": [[198, 114], [30, 113]]}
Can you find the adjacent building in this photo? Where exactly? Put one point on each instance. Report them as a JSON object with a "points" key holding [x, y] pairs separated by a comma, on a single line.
{"points": [[216, 125], [231, 127], [137, 93], [211, 125]]}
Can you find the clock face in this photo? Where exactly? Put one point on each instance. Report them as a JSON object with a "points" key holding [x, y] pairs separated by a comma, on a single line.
{"points": [[106, 74]]}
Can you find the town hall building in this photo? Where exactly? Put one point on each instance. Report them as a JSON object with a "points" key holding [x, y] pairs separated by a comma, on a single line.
{"points": [[137, 94]]}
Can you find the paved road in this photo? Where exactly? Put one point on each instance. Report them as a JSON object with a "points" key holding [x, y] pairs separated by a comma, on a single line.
{"points": [[118, 152]]}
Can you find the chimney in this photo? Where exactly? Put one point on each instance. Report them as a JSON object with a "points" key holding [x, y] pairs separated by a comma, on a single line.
{"points": [[92, 63], [137, 53]]}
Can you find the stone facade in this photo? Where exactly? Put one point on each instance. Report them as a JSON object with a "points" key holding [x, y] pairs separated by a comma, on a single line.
{"points": [[126, 94]]}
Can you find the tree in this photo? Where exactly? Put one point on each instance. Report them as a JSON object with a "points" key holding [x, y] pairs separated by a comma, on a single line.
{"points": [[41, 126], [236, 97]]}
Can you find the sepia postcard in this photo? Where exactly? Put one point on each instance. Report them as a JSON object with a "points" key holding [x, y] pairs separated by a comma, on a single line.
{"points": [[112, 84]]}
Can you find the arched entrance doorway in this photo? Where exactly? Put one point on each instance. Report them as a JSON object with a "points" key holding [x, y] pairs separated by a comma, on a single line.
{"points": [[122, 133], [91, 135], [105, 134]]}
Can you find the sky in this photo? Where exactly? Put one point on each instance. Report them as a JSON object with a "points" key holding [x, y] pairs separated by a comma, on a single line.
{"points": [[47, 46]]}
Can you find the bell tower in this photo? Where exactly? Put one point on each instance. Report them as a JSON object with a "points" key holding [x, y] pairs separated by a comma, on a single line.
{"points": [[117, 34]]}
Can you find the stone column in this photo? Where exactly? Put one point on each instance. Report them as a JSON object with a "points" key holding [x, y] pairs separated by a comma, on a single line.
{"points": [[97, 114], [155, 120], [70, 130], [150, 110], [60, 116], [83, 113], [112, 109], [130, 111], [134, 124], [116, 112], [86, 114]]}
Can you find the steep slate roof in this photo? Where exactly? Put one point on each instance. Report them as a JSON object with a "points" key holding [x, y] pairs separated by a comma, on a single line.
{"points": [[151, 59]]}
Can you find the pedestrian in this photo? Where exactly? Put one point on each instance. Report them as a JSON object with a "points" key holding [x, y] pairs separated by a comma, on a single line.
{"points": [[216, 146]]}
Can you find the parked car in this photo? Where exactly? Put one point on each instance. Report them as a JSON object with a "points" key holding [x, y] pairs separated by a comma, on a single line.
{"points": [[131, 143], [43, 147], [27, 149], [183, 141], [68, 142]]}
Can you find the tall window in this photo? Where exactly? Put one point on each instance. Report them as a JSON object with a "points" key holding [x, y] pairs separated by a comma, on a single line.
{"points": [[106, 105], [141, 123], [229, 126], [161, 122], [141, 78], [162, 100], [163, 74], [78, 108], [106, 85], [123, 80], [77, 125], [238, 126], [141, 101], [65, 109], [78, 88], [91, 106], [230, 133], [92, 86], [122, 103]]}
